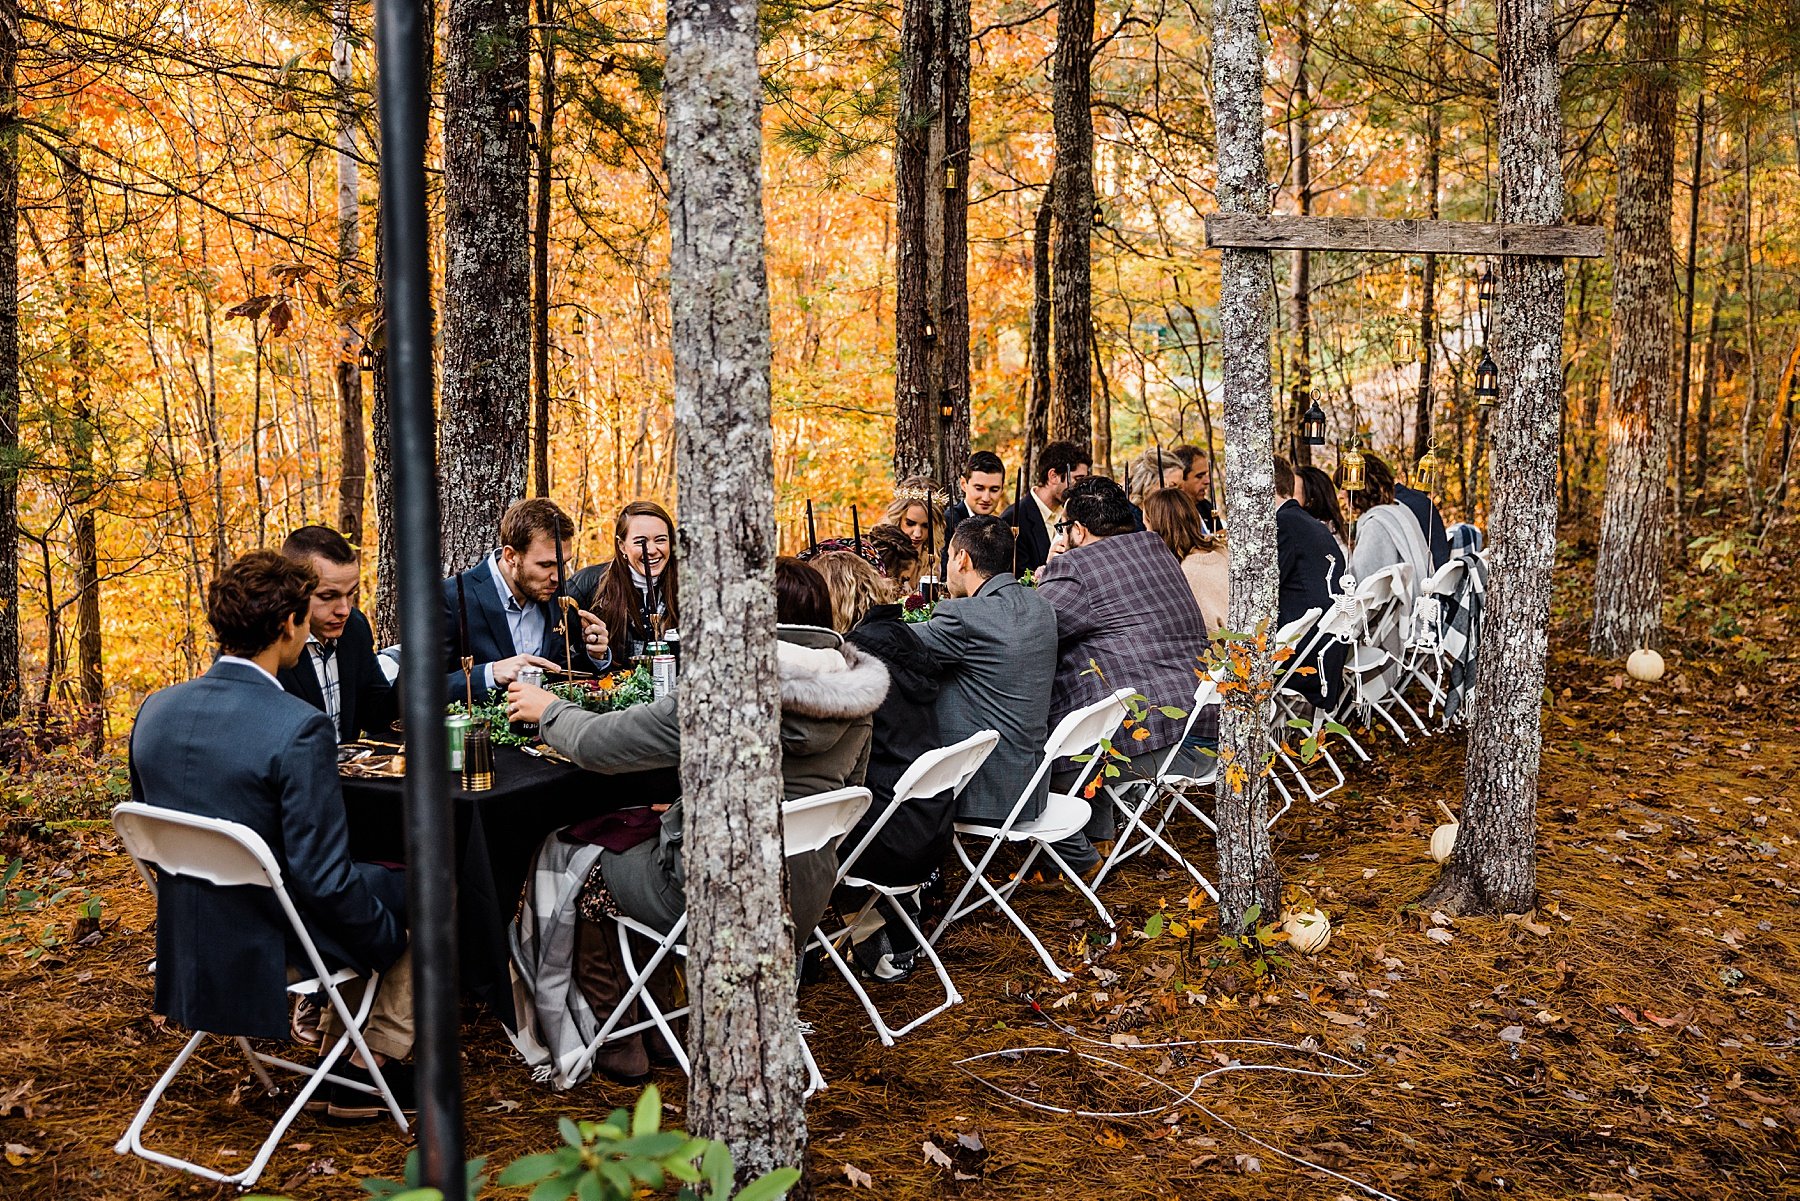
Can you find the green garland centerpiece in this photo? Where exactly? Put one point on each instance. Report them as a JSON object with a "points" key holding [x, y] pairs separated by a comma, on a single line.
{"points": [[609, 694]]}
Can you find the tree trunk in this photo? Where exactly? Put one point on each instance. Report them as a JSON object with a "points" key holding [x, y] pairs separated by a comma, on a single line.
{"points": [[1628, 575], [1494, 865], [83, 491], [1709, 377], [1752, 349], [1248, 874], [1300, 301], [484, 415], [10, 684], [915, 324], [747, 1079], [353, 462], [1072, 122], [1434, 139], [1037, 422], [540, 254], [953, 298], [1688, 300]]}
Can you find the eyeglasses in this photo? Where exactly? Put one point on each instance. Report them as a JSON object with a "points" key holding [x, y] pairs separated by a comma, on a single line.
{"points": [[1062, 527]]}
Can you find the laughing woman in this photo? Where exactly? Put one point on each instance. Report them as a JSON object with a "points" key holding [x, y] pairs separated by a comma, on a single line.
{"points": [[644, 539]]}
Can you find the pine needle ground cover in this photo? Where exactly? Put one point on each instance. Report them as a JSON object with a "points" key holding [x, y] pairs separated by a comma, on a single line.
{"points": [[1634, 1037]]}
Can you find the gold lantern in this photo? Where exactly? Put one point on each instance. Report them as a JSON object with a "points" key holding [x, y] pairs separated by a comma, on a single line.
{"points": [[1429, 473], [1350, 465]]}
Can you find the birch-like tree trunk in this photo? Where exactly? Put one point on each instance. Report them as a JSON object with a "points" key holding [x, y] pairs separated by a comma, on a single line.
{"points": [[748, 1079], [1300, 299], [10, 684], [1628, 574], [915, 408], [1494, 866], [1072, 315], [483, 448], [1248, 874], [353, 461]]}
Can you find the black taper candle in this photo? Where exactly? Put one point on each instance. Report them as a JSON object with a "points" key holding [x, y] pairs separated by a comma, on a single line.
{"points": [[856, 529], [812, 535]]}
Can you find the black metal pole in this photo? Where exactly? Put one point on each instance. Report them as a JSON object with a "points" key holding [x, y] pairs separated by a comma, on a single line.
{"points": [[400, 34]]}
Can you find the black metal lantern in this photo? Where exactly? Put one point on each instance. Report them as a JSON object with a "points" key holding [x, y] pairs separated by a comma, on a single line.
{"points": [[1487, 381], [947, 407], [929, 331], [515, 115], [367, 358], [1486, 286], [1312, 425]]}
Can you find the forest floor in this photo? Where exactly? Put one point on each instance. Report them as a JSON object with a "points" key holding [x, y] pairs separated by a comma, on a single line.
{"points": [[1636, 1037]]}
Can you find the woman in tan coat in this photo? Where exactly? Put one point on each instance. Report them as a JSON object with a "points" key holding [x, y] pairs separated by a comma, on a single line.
{"points": [[1172, 516]]}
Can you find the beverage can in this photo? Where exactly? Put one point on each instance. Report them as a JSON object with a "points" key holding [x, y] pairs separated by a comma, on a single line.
{"points": [[662, 668], [531, 677], [456, 729]]}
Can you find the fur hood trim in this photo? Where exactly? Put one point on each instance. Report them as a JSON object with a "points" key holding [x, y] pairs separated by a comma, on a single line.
{"points": [[841, 684]]}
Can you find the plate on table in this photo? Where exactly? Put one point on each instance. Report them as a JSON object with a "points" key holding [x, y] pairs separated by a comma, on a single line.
{"points": [[369, 763]]}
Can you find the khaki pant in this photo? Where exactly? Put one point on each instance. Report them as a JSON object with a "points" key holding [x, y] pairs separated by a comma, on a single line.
{"points": [[389, 1030]]}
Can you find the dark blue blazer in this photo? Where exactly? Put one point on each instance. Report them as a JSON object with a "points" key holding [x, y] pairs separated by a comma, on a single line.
{"points": [[490, 637], [1031, 549], [233, 745], [1430, 520], [367, 703]]}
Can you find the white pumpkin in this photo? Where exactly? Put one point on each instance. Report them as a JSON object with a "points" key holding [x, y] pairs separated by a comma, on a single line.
{"points": [[1443, 839], [1308, 930], [1644, 664]]}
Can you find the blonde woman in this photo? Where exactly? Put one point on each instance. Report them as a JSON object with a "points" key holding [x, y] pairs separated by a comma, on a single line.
{"points": [[917, 511], [1152, 470]]}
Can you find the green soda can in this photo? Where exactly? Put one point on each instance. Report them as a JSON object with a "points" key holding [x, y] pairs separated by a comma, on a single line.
{"points": [[456, 726]]}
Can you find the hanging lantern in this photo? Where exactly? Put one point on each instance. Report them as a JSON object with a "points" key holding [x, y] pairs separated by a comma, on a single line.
{"points": [[947, 407], [515, 115], [949, 177], [1429, 472], [929, 332], [1486, 286], [1312, 425], [1487, 382], [1406, 346], [1351, 463], [366, 358]]}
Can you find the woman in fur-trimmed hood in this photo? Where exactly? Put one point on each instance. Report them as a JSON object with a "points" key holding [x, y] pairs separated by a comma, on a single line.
{"points": [[829, 693]]}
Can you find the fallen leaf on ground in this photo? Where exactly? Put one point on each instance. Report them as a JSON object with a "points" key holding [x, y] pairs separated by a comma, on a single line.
{"points": [[935, 1154], [1439, 935], [1513, 1034], [859, 1178]]}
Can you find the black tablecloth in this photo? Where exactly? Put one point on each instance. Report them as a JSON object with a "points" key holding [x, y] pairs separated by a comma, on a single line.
{"points": [[497, 832]]}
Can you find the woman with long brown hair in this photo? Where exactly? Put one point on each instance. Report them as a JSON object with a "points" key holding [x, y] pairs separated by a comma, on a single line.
{"points": [[1172, 516], [644, 539]]}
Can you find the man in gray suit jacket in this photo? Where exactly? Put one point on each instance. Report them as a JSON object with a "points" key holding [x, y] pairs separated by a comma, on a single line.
{"points": [[997, 640], [233, 745]]}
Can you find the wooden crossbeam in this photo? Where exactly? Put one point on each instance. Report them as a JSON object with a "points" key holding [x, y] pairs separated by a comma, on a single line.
{"points": [[1404, 237]]}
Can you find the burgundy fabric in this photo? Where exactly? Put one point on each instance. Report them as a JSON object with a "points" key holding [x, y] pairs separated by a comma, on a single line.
{"points": [[617, 831]]}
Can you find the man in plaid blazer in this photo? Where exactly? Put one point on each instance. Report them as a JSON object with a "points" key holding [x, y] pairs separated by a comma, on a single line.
{"points": [[1122, 607]]}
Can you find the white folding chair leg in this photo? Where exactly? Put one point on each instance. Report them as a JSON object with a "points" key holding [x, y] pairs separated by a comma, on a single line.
{"points": [[998, 898], [1147, 836], [883, 1031], [613, 1026], [815, 1079]]}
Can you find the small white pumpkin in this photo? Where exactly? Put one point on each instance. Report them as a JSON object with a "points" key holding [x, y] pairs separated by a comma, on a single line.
{"points": [[1443, 839], [1308, 930], [1644, 664]]}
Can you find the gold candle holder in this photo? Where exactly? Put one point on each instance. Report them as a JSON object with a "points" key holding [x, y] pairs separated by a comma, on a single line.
{"points": [[478, 758]]}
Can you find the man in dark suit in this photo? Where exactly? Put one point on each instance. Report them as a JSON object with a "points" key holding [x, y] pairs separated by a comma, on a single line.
{"points": [[507, 601], [337, 672], [233, 745], [1310, 563], [1059, 465], [983, 486]]}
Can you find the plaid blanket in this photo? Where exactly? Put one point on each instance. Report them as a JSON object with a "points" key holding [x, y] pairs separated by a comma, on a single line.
{"points": [[1462, 636], [555, 1020]]}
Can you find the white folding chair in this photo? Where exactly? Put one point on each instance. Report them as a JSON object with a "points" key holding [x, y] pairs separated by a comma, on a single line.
{"points": [[807, 824], [230, 854], [1134, 800], [1427, 658], [1371, 670], [1064, 814], [946, 769], [1310, 634]]}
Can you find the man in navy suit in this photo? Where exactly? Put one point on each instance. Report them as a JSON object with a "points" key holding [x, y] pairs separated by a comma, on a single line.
{"points": [[1059, 465], [233, 745], [983, 487], [507, 599], [337, 672]]}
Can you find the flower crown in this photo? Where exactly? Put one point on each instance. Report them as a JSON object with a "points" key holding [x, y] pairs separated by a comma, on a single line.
{"points": [[930, 496]]}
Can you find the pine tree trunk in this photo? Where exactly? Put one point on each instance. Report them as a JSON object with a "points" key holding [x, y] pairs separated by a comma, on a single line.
{"points": [[1037, 432], [1688, 301], [1709, 378], [83, 491], [10, 684], [1628, 575], [1248, 874], [747, 1079], [1434, 138], [953, 305], [1494, 865], [484, 415], [915, 408], [1300, 300], [1072, 123], [353, 462], [540, 255]]}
